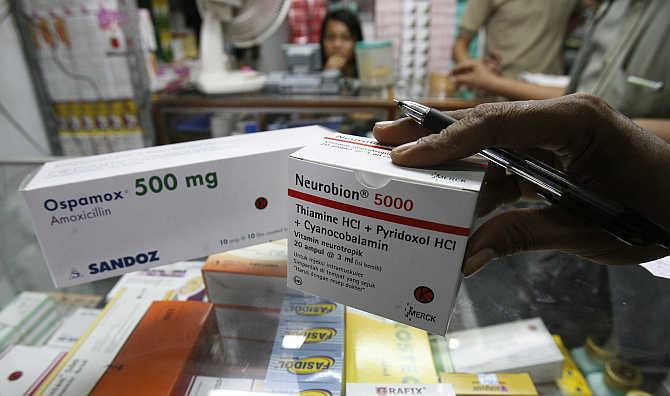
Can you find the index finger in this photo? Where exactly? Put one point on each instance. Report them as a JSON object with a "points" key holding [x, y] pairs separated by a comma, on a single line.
{"points": [[560, 125], [465, 67], [404, 130]]}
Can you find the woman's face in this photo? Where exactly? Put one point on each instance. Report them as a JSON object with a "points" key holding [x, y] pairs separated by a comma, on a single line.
{"points": [[337, 40]]}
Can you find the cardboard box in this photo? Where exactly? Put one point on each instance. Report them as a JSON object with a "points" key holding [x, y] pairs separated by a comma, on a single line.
{"points": [[72, 328], [310, 309], [207, 386], [381, 351], [518, 384], [21, 319], [89, 358], [253, 324], [521, 346], [291, 367], [245, 358], [376, 236], [42, 331], [441, 358], [102, 216], [247, 287], [572, 382], [310, 336], [183, 277], [309, 346], [161, 355], [229, 277], [301, 388], [360, 389], [23, 368]]}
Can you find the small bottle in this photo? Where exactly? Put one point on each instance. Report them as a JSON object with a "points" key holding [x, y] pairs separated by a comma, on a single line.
{"points": [[617, 379]]}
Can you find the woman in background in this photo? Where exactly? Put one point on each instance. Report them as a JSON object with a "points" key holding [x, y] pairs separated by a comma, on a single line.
{"points": [[340, 31]]}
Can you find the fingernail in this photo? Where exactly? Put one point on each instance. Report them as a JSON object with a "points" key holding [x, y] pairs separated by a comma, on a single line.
{"points": [[477, 261], [382, 124]]}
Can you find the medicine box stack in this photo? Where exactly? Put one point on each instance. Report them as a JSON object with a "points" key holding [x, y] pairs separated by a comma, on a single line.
{"points": [[163, 352], [230, 275], [29, 319], [521, 346], [102, 216], [84, 62], [23, 368], [308, 352], [247, 287], [184, 278], [381, 351], [422, 33], [516, 384], [572, 381], [88, 359], [378, 237], [72, 328]]}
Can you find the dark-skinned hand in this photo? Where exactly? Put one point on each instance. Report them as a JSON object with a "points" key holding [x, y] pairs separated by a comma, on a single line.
{"points": [[599, 148]]}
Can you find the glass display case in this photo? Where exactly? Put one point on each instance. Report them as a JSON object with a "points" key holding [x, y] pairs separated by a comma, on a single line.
{"points": [[534, 323]]}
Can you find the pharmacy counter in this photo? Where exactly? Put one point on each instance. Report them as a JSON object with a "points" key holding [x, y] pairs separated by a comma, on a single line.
{"points": [[190, 115]]}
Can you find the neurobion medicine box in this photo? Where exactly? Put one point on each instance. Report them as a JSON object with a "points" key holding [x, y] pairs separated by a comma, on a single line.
{"points": [[375, 236], [101, 216]]}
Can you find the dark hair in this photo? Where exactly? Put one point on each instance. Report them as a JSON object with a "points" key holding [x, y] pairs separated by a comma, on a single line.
{"points": [[353, 24]]}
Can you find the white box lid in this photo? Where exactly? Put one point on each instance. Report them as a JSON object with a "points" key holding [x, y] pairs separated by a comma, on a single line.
{"points": [[169, 156], [373, 160]]}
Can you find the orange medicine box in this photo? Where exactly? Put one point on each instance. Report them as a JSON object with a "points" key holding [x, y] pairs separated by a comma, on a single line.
{"points": [[161, 354]]}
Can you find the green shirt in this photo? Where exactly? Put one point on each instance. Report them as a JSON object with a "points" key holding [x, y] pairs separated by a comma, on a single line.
{"points": [[527, 34]]}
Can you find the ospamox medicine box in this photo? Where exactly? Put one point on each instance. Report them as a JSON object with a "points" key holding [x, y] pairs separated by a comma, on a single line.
{"points": [[101, 216]]}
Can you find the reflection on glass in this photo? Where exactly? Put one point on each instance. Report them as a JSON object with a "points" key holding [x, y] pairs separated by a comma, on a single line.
{"points": [[293, 341]]}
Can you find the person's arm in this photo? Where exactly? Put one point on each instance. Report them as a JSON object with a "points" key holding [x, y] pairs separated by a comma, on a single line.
{"points": [[659, 126], [477, 75], [474, 15], [461, 51], [522, 90]]}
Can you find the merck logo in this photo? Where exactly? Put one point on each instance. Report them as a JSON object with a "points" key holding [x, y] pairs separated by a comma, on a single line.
{"points": [[412, 313]]}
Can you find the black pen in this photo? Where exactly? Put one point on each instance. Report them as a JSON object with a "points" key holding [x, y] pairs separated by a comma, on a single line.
{"points": [[553, 185]]}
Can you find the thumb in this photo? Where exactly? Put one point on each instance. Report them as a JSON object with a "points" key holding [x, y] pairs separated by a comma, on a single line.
{"points": [[531, 229]]}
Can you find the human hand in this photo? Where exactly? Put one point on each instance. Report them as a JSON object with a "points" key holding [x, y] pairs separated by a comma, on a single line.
{"points": [[493, 61], [474, 73], [597, 147], [336, 62]]}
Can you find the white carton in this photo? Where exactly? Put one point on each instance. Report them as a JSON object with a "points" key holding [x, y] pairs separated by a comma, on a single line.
{"points": [[22, 319], [262, 268], [23, 368], [515, 347], [105, 215], [206, 386], [79, 371], [72, 328], [375, 236], [182, 277]]}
